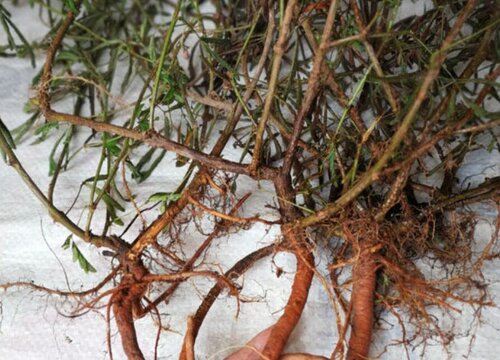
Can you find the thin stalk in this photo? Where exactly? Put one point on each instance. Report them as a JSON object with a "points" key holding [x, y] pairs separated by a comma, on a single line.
{"points": [[161, 60]]}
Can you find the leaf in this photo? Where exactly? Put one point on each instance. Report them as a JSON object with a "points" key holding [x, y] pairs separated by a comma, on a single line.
{"points": [[67, 242], [168, 96], [7, 25], [110, 202], [386, 282], [152, 49], [111, 144], [138, 170], [331, 162], [145, 174], [118, 221], [6, 133], [78, 256], [357, 91], [143, 125], [127, 77], [163, 196], [480, 111], [111, 206], [44, 131], [70, 4], [140, 110], [52, 166], [220, 60], [215, 40], [491, 145], [22, 129], [69, 56], [4, 15]]}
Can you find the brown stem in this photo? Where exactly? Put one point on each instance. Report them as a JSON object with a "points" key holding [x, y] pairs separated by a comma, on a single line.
{"points": [[279, 50], [156, 140], [229, 217], [373, 173], [313, 85], [373, 58]]}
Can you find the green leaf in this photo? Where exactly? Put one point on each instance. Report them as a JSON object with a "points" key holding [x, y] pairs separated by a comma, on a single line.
{"points": [[111, 205], [78, 256], [68, 55], [67, 242], [143, 125], [110, 202], [31, 105], [164, 196], [357, 91], [491, 145], [215, 40], [140, 111], [332, 166], [6, 133], [70, 4], [111, 144], [138, 170], [220, 60], [152, 49], [7, 25], [4, 15], [386, 282], [22, 129], [44, 131], [480, 111], [52, 166]]}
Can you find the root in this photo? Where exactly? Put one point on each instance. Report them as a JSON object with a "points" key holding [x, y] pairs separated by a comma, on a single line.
{"points": [[283, 328], [239, 268], [126, 304], [253, 350], [302, 356], [123, 303], [363, 290]]}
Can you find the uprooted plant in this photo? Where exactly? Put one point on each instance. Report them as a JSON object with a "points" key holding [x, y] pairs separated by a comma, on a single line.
{"points": [[340, 105]]}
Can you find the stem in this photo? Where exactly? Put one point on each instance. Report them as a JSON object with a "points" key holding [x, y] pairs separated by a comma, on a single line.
{"points": [[55, 213], [312, 87], [372, 174], [164, 50], [279, 51]]}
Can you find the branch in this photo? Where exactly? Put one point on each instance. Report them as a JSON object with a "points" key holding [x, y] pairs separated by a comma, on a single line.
{"points": [[153, 139], [372, 174], [55, 213]]}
